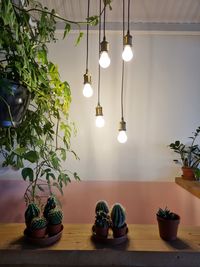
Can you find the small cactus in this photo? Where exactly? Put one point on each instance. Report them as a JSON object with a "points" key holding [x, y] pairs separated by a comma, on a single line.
{"points": [[102, 219], [38, 223], [118, 216], [55, 216], [51, 204], [102, 205], [31, 212]]}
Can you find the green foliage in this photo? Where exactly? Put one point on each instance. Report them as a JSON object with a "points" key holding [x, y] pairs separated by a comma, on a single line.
{"points": [[38, 223], [102, 206], [166, 214], [51, 204], [102, 219], [31, 212], [118, 216], [55, 216], [189, 154]]}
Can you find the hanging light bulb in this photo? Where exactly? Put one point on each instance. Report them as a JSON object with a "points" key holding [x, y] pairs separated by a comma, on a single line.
{"points": [[122, 137], [127, 53], [100, 122], [104, 60], [87, 89]]}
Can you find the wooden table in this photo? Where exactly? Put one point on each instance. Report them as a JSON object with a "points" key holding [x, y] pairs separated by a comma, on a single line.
{"points": [[191, 186], [144, 248]]}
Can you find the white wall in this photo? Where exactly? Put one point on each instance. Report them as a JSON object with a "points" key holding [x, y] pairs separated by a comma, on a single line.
{"points": [[162, 93]]}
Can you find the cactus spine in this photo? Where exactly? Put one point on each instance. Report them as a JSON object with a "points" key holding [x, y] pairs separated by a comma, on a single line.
{"points": [[51, 204], [102, 206], [31, 212], [38, 223], [55, 216], [118, 216]]}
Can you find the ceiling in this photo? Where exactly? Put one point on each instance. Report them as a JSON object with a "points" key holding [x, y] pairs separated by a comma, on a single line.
{"points": [[181, 15]]}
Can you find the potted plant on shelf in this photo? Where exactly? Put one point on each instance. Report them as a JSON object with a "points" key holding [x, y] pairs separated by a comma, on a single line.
{"points": [[55, 217], [102, 224], [168, 224], [118, 217], [189, 155], [37, 227], [102, 205]]}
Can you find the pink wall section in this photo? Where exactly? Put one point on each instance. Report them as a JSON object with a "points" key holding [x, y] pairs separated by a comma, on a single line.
{"points": [[141, 200]]}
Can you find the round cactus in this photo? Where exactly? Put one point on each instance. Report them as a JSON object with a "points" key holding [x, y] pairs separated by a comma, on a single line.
{"points": [[31, 212], [38, 223], [102, 219], [102, 205], [118, 216], [51, 204], [55, 216]]}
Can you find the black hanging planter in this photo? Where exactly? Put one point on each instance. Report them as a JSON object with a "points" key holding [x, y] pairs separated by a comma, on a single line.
{"points": [[13, 97]]}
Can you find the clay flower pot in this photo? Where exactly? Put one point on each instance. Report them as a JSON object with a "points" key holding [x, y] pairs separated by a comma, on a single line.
{"points": [[54, 229], [168, 228], [188, 173], [37, 233], [119, 232], [101, 231]]}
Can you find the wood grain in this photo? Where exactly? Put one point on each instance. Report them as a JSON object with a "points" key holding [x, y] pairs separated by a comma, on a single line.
{"points": [[191, 186]]}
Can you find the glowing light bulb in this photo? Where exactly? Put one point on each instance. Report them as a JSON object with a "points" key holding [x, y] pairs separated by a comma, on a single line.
{"points": [[127, 53], [122, 137], [100, 122], [104, 60], [87, 90]]}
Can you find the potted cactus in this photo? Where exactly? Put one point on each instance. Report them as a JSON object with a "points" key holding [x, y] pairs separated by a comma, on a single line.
{"points": [[51, 204], [168, 224], [55, 217], [102, 205], [31, 212], [118, 217], [102, 224], [38, 227]]}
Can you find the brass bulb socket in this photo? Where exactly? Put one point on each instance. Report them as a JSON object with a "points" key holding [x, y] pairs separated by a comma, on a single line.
{"points": [[104, 46], [127, 39], [99, 111], [87, 78], [122, 126]]}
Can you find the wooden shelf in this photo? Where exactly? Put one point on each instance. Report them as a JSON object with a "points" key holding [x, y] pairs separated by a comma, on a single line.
{"points": [[144, 248], [191, 186]]}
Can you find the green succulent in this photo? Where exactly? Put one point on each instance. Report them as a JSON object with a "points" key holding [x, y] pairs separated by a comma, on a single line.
{"points": [[118, 216], [102, 205], [51, 204], [102, 219], [31, 212], [166, 214], [55, 216], [38, 223]]}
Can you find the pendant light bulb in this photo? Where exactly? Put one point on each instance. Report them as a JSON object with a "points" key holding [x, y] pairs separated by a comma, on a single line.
{"points": [[87, 89], [104, 60], [122, 136], [100, 122], [127, 53]]}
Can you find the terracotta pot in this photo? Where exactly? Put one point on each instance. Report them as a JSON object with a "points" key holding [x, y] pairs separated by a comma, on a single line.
{"points": [[54, 229], [101, 231], [118, 232], [188, 173], [38, 233], [168, 228]]}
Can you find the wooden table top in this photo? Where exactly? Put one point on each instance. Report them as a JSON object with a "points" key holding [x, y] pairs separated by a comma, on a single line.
{"points": [[75, 248]]}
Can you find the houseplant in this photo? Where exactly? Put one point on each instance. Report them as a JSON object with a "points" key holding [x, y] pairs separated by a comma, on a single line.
{"points": [[37, 227], [55, 217], [118, 217], [102, 205], [189, 155], [102, 224], [168, 224]]}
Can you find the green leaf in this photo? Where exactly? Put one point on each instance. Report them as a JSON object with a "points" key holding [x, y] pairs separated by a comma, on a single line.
{"points": [[79, 38], [20, 151], [31, 156], [67, 30], [76, 177], [27, 173]]}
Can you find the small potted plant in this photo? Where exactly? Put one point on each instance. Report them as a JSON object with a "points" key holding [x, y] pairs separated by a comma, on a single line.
{"points": [[118, 217], [189, 155], [51, 204], [55, 217], [102, 224], [168, 224], [102, 205], [31, 212], [38, 227]]}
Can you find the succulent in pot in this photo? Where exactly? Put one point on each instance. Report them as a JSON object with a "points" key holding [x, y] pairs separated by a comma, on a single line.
{"points": [[51, 204], [118, 217], [38, 227], [189, 155], [31, 212], [55, 217], [168, 224], [102, 224], [102, 205]]}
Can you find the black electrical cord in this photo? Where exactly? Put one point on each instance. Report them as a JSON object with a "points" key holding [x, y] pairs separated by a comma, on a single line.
{"points": [[87, 42], [99, 68]]}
